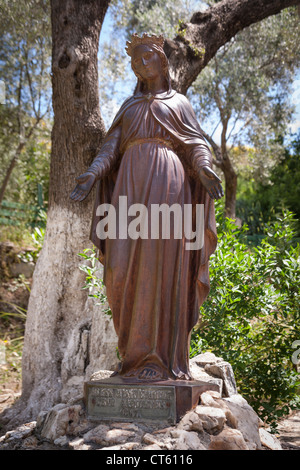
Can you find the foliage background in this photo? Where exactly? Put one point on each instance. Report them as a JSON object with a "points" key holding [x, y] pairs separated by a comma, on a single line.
{"points": [[251, 317]]}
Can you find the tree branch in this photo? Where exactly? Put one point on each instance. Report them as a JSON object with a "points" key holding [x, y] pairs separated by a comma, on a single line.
{"points": [[199, 40]]}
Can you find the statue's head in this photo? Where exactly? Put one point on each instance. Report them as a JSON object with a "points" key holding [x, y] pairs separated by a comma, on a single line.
{"points": [[148, 50]]}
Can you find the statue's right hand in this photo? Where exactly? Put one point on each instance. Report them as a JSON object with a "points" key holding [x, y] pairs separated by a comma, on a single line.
{"points": [[85, 182]]}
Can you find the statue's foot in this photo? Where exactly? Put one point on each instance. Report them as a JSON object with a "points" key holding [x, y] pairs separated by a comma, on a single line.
{"points": [[118, 369], [149, 373]]}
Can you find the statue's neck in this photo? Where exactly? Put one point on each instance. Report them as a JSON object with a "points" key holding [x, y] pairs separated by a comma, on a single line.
{"points": [[155, 86]]}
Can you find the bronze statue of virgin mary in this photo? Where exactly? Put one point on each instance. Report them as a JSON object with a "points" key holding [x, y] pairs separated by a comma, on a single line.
{"points": [[153, 153]]}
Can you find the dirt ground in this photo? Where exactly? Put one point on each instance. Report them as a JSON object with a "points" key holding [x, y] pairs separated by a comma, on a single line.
{"points": [[289, 431]]}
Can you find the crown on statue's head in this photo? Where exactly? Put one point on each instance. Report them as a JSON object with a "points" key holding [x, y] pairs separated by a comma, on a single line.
{"points": [[136, 40]]}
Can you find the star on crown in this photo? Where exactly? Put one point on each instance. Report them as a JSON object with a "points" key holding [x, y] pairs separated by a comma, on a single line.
{"points": [[144, 39]]}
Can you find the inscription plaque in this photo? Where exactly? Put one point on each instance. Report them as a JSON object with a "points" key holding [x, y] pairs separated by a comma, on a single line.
{"points": [[116, 399], [137, 402]]}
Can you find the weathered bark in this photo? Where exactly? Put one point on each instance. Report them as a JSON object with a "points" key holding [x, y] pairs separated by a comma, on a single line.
{"points": [[23, 137], [78, 127], [58, 350], [200, 39], [9, 170], [23, 141], [230, 188], [223, 162]]}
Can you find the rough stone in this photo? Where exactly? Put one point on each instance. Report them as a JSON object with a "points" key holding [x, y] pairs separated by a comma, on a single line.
{"points": [[128, 427], [103, 435], [204, 428], [186, 440], [163, 438], [30, 443], [191, 422], [223, 370], [246, 420], [96, 434], [212, 399], [21, 432], [118, 436], [130, 446], [268, 440], [163, 431], [101, 374], [61, 441], [205, 358], [206, 399], [152, 447], [60, 420], [197, 368], [213, 419], [228, 439], [76, 444], [150, 439], [112, 448]]}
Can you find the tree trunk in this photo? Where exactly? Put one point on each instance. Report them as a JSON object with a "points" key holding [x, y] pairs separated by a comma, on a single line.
{"points": [[223, 162], [10, 170], [23, 142], [230, 188], [67, 338]]}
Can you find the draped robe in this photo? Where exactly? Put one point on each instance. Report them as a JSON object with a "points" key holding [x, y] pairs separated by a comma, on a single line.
{"points": [[152, 154]]}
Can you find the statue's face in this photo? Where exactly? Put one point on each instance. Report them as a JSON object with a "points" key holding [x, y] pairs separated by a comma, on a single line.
{"points": [[146, 62]]}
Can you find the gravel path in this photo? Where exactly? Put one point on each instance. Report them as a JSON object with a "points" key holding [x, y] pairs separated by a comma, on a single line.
{"points": [[289, 432]]}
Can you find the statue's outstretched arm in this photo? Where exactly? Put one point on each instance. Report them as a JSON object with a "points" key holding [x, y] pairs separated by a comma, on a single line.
{"points": [[103, 163]]}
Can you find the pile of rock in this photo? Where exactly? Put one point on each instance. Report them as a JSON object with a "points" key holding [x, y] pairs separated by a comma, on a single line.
{"points": [[222, 421]]}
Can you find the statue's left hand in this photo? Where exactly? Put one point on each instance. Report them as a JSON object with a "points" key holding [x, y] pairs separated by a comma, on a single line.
{"points": [[211, 182]]}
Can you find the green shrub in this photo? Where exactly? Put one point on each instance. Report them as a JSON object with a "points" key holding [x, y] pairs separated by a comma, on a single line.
{"points": [[257, 200], [93, 282], [251, 317]]}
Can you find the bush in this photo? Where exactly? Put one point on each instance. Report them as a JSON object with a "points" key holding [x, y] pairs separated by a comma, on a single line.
{"points": [[258, 200], [251, 317], [93, 282]]}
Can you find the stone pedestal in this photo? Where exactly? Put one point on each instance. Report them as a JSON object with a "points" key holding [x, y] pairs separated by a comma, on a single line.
{"points": [[117, 399]]}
